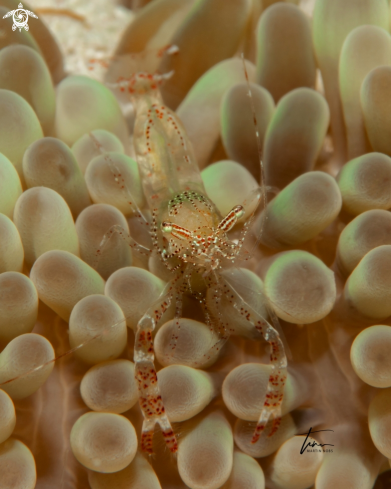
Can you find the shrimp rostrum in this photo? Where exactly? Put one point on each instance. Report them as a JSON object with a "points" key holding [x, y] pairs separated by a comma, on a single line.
{"points": [[191, 239]]}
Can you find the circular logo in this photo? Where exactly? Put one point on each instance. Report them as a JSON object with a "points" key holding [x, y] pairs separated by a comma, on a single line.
{"points": [[20, 18]]}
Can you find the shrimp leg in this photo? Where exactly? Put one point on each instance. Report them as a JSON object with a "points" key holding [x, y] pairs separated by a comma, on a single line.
{"points": [[278, 360], [150, 399]]}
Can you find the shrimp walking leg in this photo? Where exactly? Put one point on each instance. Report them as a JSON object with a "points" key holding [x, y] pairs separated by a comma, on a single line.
{"points": [[120, 231], [150, 399], [278, 360]]}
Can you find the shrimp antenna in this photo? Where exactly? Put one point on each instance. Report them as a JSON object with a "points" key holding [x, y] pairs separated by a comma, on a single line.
{"points": [[62, 355], [262, 183]]}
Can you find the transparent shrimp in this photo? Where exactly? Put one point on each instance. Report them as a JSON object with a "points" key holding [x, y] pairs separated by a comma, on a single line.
{"points": [[191, 239]]}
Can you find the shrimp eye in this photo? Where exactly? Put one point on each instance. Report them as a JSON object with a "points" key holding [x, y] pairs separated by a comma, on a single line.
{"points": [[167, 227], [239, 211]]}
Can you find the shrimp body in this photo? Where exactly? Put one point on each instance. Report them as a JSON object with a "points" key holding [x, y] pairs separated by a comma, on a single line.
{"points": [[191, 238]]}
